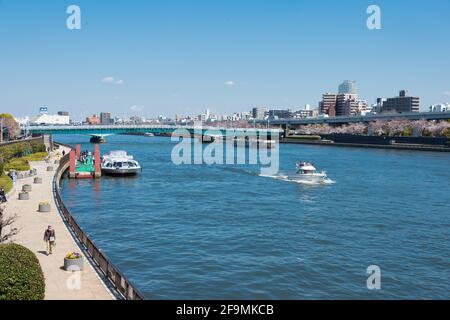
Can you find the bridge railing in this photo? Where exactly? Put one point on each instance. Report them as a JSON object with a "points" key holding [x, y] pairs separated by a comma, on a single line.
{"points": [[106, 128], [118, 281]]}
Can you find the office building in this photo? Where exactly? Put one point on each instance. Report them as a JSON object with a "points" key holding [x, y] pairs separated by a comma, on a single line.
{"points": [[105, 118], [280, 114], [442, 107], [328, 104], [347, 87], [259, 113], [93, 120], [404, 103]]}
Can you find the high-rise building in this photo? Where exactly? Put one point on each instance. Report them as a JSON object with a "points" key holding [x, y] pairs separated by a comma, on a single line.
{"points": [[105, 118], [402, 104], [348, 87], [328, 104], [344, 106], [259, 113]]}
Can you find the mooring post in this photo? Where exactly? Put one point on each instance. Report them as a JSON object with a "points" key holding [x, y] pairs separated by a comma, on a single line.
{"points": [[98, 170], [78, 151], [72, 173]]}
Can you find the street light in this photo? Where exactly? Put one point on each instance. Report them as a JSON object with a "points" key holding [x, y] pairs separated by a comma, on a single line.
{"points": [[1, 130]]}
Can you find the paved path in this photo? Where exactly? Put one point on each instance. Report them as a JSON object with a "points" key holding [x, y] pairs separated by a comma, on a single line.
{"points": [[59, 284]]}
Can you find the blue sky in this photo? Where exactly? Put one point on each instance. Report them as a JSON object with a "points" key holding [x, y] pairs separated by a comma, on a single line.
{"points": [[178, 56]]}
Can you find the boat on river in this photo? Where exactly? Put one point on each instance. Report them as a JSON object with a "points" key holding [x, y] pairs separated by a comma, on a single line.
{"points": [[308, 173], [119, 163]]}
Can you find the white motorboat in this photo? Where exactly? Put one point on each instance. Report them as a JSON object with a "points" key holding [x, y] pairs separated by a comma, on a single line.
{"points": [[308, 173], [119, 163]]}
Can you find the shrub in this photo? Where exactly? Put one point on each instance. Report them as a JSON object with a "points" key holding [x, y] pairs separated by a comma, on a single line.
{"points": [[21, 276], [7, 184], [39, 156], [19, 164]]}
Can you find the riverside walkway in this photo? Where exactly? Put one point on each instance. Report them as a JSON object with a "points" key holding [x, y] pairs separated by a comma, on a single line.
{"points": [[59, 284]]}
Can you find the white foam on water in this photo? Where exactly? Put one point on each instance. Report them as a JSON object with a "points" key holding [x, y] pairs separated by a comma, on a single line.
{"points": [[310, 183]]}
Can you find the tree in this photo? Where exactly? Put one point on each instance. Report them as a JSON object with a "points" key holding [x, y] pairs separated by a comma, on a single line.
{"points": [[10, 124], [378, 127], [6, 223], [419, 127]]}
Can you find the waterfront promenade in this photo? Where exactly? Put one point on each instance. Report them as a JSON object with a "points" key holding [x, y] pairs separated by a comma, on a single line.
{"points": [[59, 284]]}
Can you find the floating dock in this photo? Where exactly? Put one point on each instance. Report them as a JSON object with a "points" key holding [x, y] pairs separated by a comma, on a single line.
{"points": [[86, 167]]}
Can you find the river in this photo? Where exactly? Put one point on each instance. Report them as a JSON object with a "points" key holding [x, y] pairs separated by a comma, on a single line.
{"points": [[225, 232]]}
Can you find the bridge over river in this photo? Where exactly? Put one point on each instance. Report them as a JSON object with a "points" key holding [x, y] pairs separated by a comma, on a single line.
{"points": [[101, 131]]}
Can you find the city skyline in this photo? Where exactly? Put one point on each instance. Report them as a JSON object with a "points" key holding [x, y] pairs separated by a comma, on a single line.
{"points": [[177, 58]]}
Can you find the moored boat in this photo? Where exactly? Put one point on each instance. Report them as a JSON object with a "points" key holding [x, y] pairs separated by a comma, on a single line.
{"points": [[119, 163]]}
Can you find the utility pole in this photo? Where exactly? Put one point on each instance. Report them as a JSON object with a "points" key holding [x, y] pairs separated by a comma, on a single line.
{"points": [[1, 130]]}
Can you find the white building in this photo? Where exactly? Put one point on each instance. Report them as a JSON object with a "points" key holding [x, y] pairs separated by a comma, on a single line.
{"points": [[443, 107], [50, 119]]}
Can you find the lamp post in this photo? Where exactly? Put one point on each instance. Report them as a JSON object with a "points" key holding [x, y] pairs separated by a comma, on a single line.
{"points": [[1, 130]]}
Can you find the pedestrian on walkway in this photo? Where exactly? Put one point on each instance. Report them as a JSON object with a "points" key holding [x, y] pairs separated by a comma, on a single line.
{"points": [[3, 196], [50, 239]]}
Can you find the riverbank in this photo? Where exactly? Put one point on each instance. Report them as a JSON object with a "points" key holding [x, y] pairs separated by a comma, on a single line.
{"points": [[392, 143], [59, 284]]}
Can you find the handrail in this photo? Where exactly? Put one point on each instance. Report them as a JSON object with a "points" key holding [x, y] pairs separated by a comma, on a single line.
{"points": [[120, 283]]}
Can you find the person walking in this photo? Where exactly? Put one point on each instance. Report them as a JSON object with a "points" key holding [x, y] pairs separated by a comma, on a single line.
{"points": [[50, 239], [3, 196]]}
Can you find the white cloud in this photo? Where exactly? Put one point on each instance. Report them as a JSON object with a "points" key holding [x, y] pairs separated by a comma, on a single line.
{"points": [[447, 93], [136, 108], [108, 80], [230, 83], [111, 79]]}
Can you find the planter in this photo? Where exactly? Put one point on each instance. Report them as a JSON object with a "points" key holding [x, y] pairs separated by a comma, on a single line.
{"points": [[24, 196], [20, 176], [56, 162], [50, 168], [33, 172], [73, 264], [37, 180], [26, 188], [47, 160], [44, 207]]}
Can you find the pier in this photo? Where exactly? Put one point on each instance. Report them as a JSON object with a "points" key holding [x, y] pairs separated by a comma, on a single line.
{"points": [[85, 166]]}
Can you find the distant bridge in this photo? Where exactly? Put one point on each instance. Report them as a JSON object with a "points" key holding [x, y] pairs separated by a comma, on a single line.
{"points": [[102, 131], [357, 119]]}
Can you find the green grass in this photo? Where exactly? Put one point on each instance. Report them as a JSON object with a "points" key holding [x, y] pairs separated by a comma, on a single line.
{"points": [[18, 164], [23, 163], [35, 157], [6, 183]]}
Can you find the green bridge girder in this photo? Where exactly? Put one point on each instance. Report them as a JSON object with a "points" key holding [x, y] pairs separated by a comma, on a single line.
{"points": [[113, 130]]}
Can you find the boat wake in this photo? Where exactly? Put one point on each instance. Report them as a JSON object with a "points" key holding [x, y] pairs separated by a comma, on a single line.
{"points": [[286, 178]]}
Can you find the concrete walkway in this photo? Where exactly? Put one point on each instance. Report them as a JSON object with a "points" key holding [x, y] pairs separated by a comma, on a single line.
{"points": [[59, 284]]}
